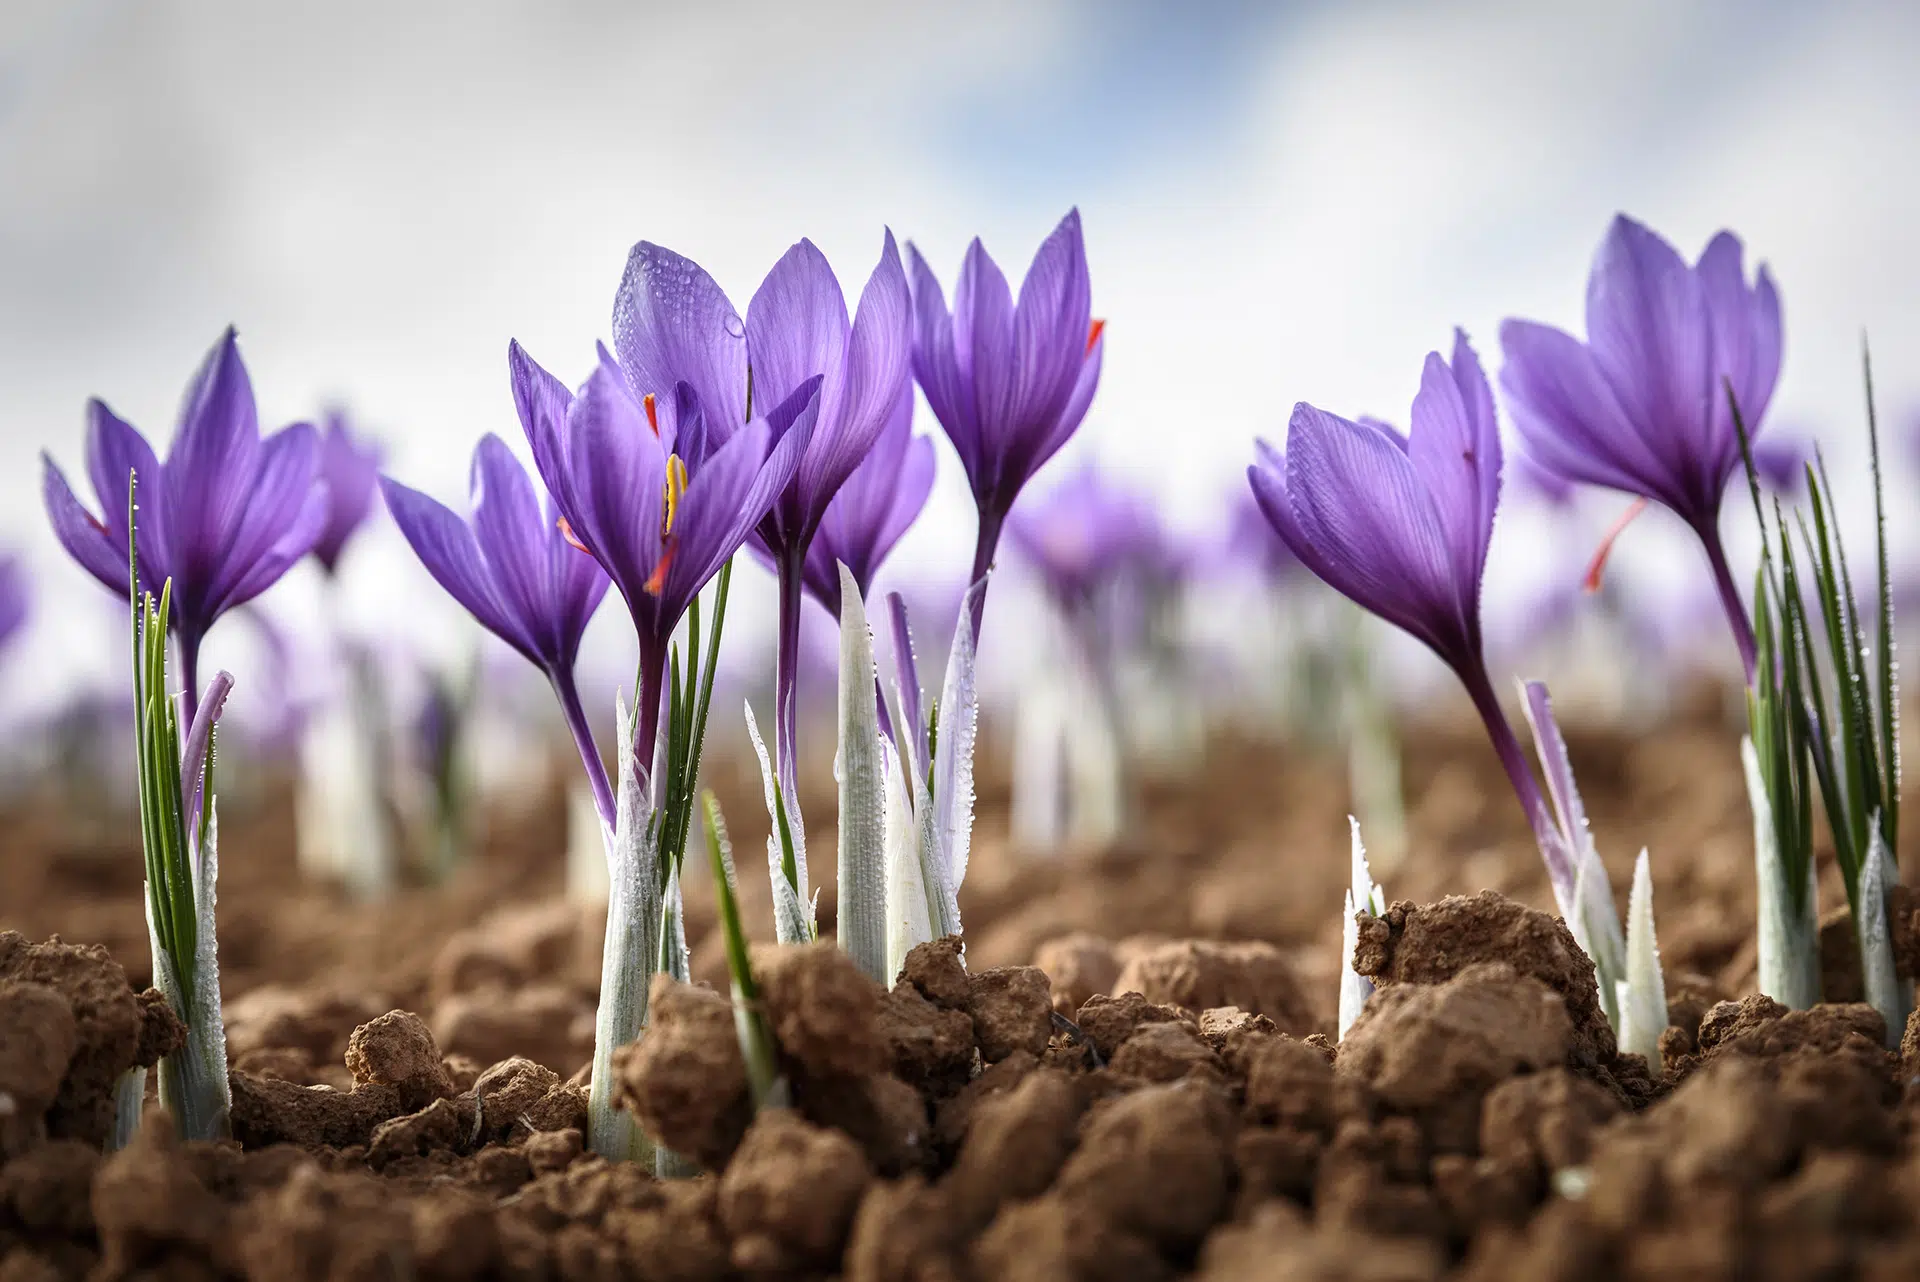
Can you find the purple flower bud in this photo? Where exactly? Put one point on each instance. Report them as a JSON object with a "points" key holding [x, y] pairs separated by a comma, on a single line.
{"points": [[351, 469]]}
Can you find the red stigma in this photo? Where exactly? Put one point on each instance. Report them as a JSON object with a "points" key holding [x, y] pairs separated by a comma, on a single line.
{"points": [[1597, 568], [653, 415], [658, 579], [566, 532], [1093, 335]]}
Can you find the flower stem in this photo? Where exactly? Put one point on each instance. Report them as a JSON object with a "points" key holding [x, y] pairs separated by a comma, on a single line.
{"points": [[1729, 596], [986, 543], [1506, 745], [568, 692]]}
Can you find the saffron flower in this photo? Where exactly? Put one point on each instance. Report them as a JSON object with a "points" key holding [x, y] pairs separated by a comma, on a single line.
{"points": [[1642, 405], [224, 518], [880, 500], [674, 328], [1401, 527], [513, 570], [14, 598], [661, 525], [351, 469], [1089, 533], [1009, 382]]}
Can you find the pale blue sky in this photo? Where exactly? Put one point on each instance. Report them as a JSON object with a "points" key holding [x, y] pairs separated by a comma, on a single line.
{"points": [[1282, 202]]}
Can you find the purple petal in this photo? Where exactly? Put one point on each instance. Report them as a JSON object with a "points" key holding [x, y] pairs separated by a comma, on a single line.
{"points": [[858, 401], [1359, 503], [210, 465], [1746, 340], [85, 538], [512, 537], [447, 548], [193, 753], [115, 450], [734, 490], [936, 365], [577, 582], [983, 347], [1051, 326], [1086, 383], [1455, 450], [797, 326], [541, 400], [1649, 333], [672, 323], [276, 499], [1568, 416], [616, 475], [294, 542]]}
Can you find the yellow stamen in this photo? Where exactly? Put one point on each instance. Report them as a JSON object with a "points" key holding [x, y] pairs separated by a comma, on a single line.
{"points": [[676, 486]]}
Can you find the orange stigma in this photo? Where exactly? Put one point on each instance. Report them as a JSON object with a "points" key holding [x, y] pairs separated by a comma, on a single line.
{"points": [[653, 415], [1597, 568], [658, 579], [566, 532], [1093, 335]]}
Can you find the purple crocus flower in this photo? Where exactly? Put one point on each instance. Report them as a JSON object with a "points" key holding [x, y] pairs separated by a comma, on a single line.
{"points": [[674, 327], [1641, 406], [512, 568], [224, 518], [13, 598], [351, 469], [1009, 382], [660, 525], [1400, 525], [1088, 532], [880, 500]]}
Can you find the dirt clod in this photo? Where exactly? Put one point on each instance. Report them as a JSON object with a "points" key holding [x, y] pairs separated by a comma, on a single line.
{"points": [[788, 1197], [1196, 974], [685, 1080], [1012, 1010]]}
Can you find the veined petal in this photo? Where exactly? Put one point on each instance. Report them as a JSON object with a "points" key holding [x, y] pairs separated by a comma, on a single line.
{"points": [[577, 583], [279, 490], [512, 536], [115, 451], [1051, 326], [211, 463], [1361, 505], [857, 401], [618, 482], [1026, 463], [1746, 342], [295, 541], [1649, 332], [541, 401], [1568, 416], [733, 491], [983, 348], [85, 538], [797, 327], [447, 548], [936, 365], [1455, 450], [672, 323]]}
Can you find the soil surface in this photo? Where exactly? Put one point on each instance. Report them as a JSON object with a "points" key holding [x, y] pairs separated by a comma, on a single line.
{"points": [[1129, 1073]]}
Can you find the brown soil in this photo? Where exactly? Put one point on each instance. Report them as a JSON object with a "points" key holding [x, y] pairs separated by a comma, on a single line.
{"points": [[1128, 1076]]}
